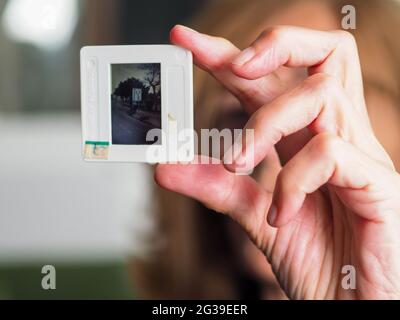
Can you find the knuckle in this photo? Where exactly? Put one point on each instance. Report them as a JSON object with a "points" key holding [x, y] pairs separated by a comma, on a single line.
{"points": [[219, 62], [224, 42], [346, 36], [325, 145], [322, 82], [273, 34], [346, 39]]}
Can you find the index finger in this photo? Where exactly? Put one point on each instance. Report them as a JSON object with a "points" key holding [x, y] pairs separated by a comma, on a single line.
{"points": [[214, 55]]}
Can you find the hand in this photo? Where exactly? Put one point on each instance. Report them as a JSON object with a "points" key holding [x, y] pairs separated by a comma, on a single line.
{"points": [[336, 200]]}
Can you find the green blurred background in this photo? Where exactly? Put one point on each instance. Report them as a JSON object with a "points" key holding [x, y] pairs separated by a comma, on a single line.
{"points": [[85, 220]]}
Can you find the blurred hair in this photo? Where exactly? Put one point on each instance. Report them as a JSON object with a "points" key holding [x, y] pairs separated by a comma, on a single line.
{"points": [[198, 257]]}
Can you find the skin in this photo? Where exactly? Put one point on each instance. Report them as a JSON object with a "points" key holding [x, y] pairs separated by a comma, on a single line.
{"points": [[335, 200]]}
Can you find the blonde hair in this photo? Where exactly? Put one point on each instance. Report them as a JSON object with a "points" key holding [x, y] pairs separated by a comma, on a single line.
{"points": [[192, 264]]}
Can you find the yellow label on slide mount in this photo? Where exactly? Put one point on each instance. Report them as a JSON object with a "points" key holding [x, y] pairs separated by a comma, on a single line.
{"points": [[96, 150]]}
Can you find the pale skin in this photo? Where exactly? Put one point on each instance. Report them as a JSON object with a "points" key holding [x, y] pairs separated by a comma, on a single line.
{"points": [[336, 199]]}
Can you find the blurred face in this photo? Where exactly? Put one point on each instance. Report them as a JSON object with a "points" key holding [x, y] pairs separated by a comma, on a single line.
{"points": [[384, 115]]}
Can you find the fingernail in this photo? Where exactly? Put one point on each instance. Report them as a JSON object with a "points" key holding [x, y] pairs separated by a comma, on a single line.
{"points": [[245, 56], [272, 214]]}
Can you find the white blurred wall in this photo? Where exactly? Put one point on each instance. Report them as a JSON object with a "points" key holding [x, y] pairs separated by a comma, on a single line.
{"points": [[53, 205]]}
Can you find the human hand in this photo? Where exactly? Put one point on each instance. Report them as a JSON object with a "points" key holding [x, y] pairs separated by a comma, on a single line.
{"points": [[336, 200]]}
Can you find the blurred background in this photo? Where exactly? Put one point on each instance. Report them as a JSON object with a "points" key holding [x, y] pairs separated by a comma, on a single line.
{"points": [[87, 220]]}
